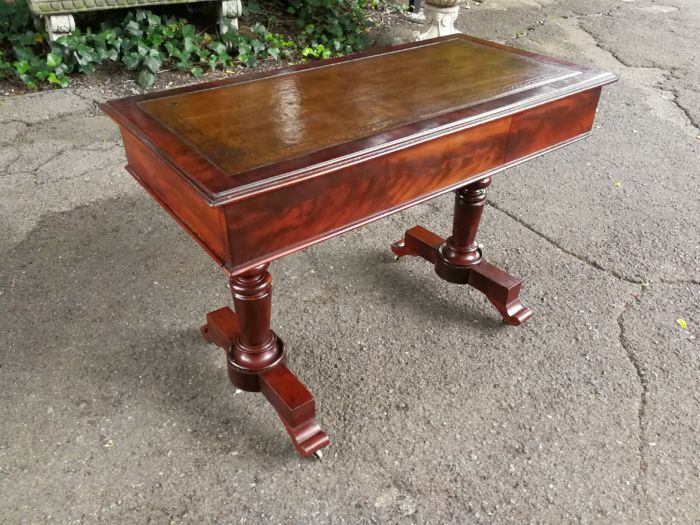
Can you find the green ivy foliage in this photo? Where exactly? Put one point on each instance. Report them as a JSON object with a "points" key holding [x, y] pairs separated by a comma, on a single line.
{"points": [[147, 43], [330, 27]]}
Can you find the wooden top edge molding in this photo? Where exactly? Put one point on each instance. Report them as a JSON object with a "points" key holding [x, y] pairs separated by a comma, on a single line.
{"points": [[237, 137]]}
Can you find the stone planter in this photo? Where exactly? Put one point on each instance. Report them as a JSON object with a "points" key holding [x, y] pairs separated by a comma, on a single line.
{"points": [[440, 16], [58, 14]]}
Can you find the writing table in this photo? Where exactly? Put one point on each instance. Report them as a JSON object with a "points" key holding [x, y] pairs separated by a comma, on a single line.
{"points": [[260, 166]]}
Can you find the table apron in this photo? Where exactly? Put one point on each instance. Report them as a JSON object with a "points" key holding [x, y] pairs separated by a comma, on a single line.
{"points": [[281, 221], [272, 224]]}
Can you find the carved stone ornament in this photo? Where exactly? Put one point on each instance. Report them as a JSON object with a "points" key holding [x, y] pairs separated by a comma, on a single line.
{"points": [[440, 16], [59, 25], [57, 15], [229, 12]]}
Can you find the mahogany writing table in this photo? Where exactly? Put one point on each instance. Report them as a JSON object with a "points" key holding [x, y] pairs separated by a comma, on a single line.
{"points": [[257, 167]]}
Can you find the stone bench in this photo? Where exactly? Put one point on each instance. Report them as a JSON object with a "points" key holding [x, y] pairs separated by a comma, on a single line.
{"points": [[58, 14]]}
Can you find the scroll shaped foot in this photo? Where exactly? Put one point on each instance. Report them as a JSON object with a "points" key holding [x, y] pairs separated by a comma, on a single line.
{"points": [[293, 402], [499, 287], [502, 290], [418, 242], [296, 408]]}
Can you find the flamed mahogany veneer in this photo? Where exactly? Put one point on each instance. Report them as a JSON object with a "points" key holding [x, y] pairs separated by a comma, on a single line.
{"points": [[257, 167]]}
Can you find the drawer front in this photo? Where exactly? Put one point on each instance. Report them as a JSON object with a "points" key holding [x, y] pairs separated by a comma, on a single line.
{"points": [[548, 125], [285, 220]]}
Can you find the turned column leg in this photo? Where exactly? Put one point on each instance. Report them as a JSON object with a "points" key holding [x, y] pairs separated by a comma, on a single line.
{"points": [[459, 260], [461, 252], [256, 358], [255, 347], [461, 248]]}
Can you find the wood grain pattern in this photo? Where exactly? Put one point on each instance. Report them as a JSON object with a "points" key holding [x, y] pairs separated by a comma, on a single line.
{"points": [[310, 210], [293, 402], [297, 113], [239, 137], [553, 123], [299, 212]]}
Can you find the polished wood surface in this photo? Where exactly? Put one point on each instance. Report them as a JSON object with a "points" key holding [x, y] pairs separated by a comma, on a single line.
{"points": [[252, 124], [257, 167], [236, 137]]}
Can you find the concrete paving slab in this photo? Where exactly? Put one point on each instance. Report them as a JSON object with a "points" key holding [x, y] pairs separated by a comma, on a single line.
{"points": [[668, 363], [621, 200], [42, 106], [500, 421], [11, 131], [627, 36]]}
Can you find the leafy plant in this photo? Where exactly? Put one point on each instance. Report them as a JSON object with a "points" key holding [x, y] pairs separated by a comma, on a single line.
{"points": [[330, 27], [147, 43]]}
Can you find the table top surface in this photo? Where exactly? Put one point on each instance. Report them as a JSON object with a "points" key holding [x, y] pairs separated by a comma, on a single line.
{"points": [[239, 135]]}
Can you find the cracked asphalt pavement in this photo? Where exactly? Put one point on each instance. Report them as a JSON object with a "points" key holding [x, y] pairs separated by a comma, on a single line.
{"points": [[114, 410]]}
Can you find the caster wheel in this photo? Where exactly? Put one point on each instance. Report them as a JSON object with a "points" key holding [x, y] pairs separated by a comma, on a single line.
{"points": [[399, 250], [318, 455]]}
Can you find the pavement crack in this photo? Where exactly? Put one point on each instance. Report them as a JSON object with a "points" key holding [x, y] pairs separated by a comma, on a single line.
{"points": [[585, 260], [16, 121], [83, 97], [51, 158], [34, 171], [668, 73], [20, 134], [6, 169], [613, 54], [678, 281], [683, 109], [643, 398]]}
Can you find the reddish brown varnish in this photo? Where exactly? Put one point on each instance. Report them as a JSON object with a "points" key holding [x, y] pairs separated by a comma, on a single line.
{"points": [[257, 167]]}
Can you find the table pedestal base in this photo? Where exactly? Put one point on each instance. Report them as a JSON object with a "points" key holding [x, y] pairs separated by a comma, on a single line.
{"points": [[459, 260], [256, 356], [256, 360]]}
